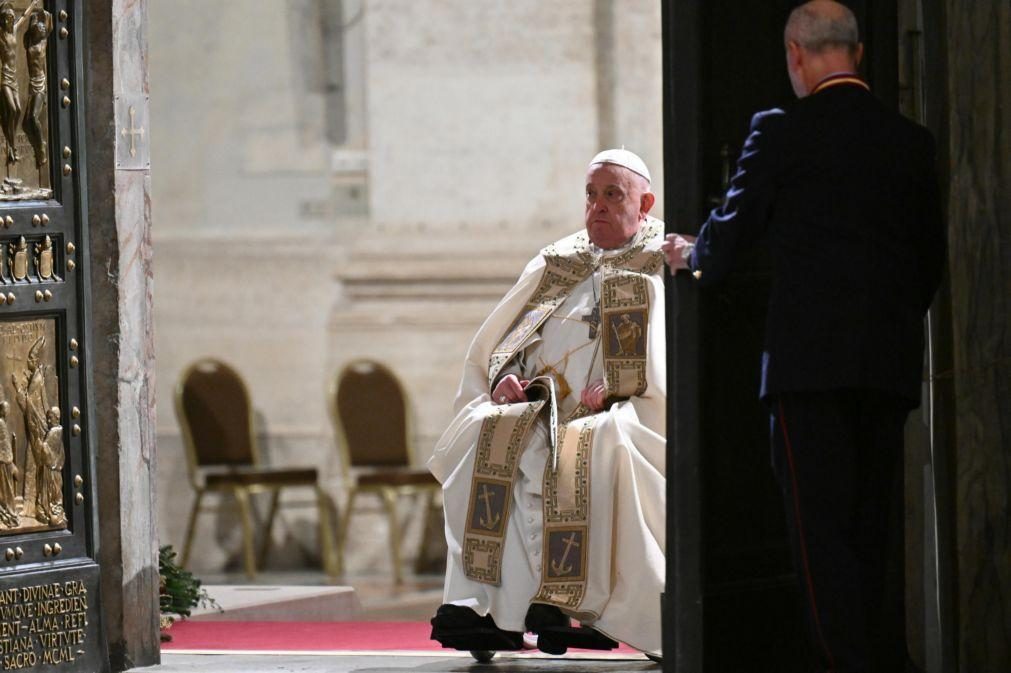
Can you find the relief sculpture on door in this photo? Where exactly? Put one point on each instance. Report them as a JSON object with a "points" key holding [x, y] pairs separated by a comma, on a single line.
{"points": [[32, 451], [25, 27]]}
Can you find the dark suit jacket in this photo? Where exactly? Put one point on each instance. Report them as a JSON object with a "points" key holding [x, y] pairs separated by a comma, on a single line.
{"points": [[846, 192]]}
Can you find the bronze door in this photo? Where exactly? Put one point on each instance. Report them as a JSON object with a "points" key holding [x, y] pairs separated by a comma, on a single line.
{"points": [[49, 615]]}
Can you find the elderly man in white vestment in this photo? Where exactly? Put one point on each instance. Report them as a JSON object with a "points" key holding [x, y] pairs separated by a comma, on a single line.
{"points": [[553, 468]]}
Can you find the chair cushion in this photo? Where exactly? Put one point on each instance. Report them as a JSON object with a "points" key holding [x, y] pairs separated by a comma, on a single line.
{"points": [[397, 478], [299, 476], [372, 412], [214, 405]]}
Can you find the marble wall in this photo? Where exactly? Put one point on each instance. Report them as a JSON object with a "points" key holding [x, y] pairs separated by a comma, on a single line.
{"points": [[122, 345], [288, 251]]}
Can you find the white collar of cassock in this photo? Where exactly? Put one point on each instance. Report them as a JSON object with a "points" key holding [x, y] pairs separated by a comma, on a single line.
{"points": [[599, 253]]}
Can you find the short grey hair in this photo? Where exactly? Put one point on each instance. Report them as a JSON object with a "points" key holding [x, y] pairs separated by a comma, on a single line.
{"points": [[817, 26]]}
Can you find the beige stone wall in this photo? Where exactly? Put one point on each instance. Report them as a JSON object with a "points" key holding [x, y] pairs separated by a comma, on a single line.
{"points": [[288, 255]]}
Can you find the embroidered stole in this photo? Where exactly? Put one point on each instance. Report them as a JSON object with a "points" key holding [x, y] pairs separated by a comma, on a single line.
{"points": [[624, 306], [503, 434], [625, 311]]}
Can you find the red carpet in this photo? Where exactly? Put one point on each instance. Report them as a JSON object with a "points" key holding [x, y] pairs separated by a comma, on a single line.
{"points": [[321, 637], [300, 636]]}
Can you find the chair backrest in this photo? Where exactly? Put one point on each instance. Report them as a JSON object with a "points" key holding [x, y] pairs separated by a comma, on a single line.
{"points": [[216, 416], [369, 409]]}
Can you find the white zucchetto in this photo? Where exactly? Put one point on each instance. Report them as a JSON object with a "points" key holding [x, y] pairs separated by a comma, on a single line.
{"points": [[625, 159]]}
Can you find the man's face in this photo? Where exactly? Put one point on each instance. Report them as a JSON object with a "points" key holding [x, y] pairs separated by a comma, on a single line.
{"points": [[617, 201]]}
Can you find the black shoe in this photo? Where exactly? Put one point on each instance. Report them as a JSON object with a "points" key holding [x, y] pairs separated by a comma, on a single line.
{"points": [[555, 633], [461, 628], [559, 640], [540, 616]]}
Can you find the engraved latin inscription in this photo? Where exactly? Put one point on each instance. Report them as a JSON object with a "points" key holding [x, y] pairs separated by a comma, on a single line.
{"points": [[43, 624]]}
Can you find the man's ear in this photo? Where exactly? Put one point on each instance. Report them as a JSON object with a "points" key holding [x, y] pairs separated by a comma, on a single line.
{"points": [[858, 54], [646, 202], [794, 54]]}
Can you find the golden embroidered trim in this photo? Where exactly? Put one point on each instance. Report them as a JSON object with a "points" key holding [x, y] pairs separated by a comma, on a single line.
{"points": [[500, 442], [562, 273], [624, 305], [567, 518]]}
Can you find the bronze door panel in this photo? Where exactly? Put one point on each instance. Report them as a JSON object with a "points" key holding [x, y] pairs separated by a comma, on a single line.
{"points": [[48, 527]]}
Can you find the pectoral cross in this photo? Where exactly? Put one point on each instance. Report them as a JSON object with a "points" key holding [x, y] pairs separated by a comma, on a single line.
{"points": [[561, 568], [492, 519], [592, 318]]}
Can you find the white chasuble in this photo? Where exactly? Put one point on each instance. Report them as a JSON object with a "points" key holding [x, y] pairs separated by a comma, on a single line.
{"points": [[572, 517]]}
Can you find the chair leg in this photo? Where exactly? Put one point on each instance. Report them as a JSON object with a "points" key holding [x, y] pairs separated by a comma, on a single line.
{"points": [[390, 500], [326, 540], [246, 511], [191, 528], [345, 525], [430, 509], [275, 498]]}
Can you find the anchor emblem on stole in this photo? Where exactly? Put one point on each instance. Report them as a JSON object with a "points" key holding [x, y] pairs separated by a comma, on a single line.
{"points": [[560, 567], [491, 520]]}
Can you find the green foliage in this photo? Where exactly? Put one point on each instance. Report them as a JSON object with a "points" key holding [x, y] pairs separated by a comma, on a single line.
{"points": [[180, 590]]}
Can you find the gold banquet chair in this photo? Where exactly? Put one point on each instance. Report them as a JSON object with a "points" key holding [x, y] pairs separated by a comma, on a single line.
{"points": [[370, 414], [214, 410]]}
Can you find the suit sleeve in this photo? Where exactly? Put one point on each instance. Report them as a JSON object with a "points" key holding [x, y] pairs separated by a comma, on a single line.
{"points": [[744, 215]]}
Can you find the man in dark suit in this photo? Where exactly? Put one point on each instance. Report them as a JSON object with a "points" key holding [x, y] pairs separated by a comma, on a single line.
{"points": [[845, 191]]}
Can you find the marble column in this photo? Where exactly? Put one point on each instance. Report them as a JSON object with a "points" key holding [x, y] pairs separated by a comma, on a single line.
{"points": [[979, 72], [123, 344]]}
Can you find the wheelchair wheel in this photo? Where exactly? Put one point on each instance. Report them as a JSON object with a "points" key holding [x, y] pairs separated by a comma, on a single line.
{"points": [[482, 656]]}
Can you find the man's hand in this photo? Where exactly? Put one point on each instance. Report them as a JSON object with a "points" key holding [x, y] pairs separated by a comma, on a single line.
{"points": [[509, 390], [593, 395], [677, 248]]}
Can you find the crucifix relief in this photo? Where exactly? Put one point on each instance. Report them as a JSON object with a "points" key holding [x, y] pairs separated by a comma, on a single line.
{"points": [[133, 149], [25, 27], [133, 132]]}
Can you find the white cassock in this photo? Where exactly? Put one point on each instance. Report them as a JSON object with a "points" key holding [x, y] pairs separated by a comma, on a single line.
{"points": [[594, 546]]}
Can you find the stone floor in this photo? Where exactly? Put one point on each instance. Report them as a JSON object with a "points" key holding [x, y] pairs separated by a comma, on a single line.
{"points": [[188, 663], [381, 600]]}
